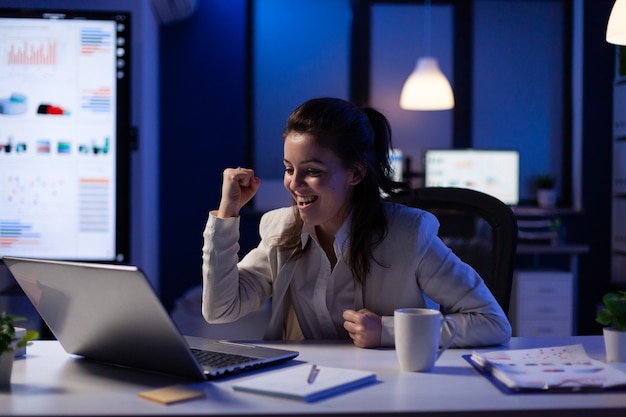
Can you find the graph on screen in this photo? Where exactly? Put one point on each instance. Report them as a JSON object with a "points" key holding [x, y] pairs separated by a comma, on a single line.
{"points": [[32, 52], [63, 122], [495, 172]]}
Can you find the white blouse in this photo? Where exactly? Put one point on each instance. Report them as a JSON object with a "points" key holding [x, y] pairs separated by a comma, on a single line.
{"points": [[319, 295]]}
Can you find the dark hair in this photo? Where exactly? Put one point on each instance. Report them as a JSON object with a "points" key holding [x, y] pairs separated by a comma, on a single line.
{"points": [[356, 135]]}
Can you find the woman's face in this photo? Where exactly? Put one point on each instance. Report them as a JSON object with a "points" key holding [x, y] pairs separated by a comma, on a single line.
{"points": [[318, 182]]}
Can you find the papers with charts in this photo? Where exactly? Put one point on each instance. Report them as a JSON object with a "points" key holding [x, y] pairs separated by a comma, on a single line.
{"points": [[558, 368]]}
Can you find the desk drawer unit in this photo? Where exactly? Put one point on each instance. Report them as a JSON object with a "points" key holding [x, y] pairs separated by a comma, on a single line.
{"points": [[543, 303]]}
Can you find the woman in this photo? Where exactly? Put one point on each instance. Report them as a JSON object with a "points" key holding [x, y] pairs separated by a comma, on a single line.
{"points": [[340, 260]]}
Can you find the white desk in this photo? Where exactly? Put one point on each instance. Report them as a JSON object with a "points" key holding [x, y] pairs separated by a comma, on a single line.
{"points": [[50, 382]]}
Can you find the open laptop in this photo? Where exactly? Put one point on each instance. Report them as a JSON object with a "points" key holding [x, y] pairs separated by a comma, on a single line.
{"points": [[110, 313]]}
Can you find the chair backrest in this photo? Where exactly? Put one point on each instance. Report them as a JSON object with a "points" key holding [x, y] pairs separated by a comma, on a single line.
{"points": [[480, 229]]}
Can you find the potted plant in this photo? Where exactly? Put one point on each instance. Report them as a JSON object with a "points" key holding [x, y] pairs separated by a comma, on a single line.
{"points": [[9, 342], [546, 192], [613, 314]]}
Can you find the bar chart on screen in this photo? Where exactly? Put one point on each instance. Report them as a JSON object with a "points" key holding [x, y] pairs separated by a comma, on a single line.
{"points": [[32, 52], [15, 233]]}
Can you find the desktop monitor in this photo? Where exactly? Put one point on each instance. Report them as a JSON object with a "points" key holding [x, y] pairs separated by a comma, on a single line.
{"points": [[494, 172], [64, 134]]}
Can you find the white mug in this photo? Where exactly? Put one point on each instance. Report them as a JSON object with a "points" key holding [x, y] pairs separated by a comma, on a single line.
{"points": [[417, 336]]}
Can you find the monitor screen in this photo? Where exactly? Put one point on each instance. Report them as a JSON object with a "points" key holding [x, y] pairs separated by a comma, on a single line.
{"points": [[494, 172], [64, 134]]}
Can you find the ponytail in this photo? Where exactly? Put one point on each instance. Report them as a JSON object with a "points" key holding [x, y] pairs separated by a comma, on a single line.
{"points": [[382, 149]]}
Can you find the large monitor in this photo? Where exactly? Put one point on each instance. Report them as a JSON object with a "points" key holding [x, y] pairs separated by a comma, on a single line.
{"points": [[494, 172], [64, 134]]}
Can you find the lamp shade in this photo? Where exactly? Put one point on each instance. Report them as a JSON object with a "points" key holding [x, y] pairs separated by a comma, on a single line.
{"points": [[427, 88], [616, 29]]}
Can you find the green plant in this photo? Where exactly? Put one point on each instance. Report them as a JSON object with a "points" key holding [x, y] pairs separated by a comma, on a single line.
{"points": [[8, 340], [614, 310], [545, 182]]}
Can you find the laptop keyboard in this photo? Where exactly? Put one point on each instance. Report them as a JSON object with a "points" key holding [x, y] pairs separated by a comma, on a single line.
{"points": [[220, 359]]}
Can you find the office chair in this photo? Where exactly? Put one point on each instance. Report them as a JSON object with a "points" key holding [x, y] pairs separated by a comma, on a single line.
{"points": [[479, 228]]}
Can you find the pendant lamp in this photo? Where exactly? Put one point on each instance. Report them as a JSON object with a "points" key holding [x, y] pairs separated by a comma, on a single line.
{"points": [[427, 88], [616, 28]]}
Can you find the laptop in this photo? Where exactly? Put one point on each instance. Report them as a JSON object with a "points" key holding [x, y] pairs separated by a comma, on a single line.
{"points": [[110, 313]]}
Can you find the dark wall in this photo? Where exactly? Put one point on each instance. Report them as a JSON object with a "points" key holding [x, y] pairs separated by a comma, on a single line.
{"points": [[203, 130]]}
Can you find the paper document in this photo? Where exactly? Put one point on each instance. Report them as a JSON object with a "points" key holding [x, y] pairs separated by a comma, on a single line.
{"points": [[558, 368], [293, 382]]}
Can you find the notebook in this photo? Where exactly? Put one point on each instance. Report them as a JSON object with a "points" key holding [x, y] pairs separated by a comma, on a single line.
{"points": [[296, 382], [110, 313]]}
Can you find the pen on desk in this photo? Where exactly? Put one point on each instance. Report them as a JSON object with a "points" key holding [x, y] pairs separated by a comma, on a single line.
{"points": [[313, 374]]}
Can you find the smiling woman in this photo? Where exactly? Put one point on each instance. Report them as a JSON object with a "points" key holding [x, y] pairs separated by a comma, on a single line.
{"points": [[318, 182], [335, 264]]}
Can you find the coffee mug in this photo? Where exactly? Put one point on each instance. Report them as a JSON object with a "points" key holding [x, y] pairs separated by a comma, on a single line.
{"points": [[417, 336]]}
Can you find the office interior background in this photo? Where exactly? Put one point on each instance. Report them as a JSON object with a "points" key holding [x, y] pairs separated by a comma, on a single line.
{"points": [[214, 90]]}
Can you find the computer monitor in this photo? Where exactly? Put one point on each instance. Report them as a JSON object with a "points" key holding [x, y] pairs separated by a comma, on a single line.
{"points": [[64, 134], [494, 172]]}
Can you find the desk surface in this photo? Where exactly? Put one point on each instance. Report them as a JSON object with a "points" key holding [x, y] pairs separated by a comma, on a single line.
{"points": [[50, 382]]}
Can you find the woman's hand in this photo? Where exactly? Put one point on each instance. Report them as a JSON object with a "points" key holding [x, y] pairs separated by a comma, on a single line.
{"points": [[238, 187], [364, 327]]}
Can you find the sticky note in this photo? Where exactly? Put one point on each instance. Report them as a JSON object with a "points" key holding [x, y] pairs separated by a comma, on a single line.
{"points": [[172, 394]]}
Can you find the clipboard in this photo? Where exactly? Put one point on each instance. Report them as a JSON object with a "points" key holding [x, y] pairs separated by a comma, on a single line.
{"points": [[550, 369]]}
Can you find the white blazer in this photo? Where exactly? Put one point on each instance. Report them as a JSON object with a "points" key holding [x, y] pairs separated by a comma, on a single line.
{"points": [[413, 264]]}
